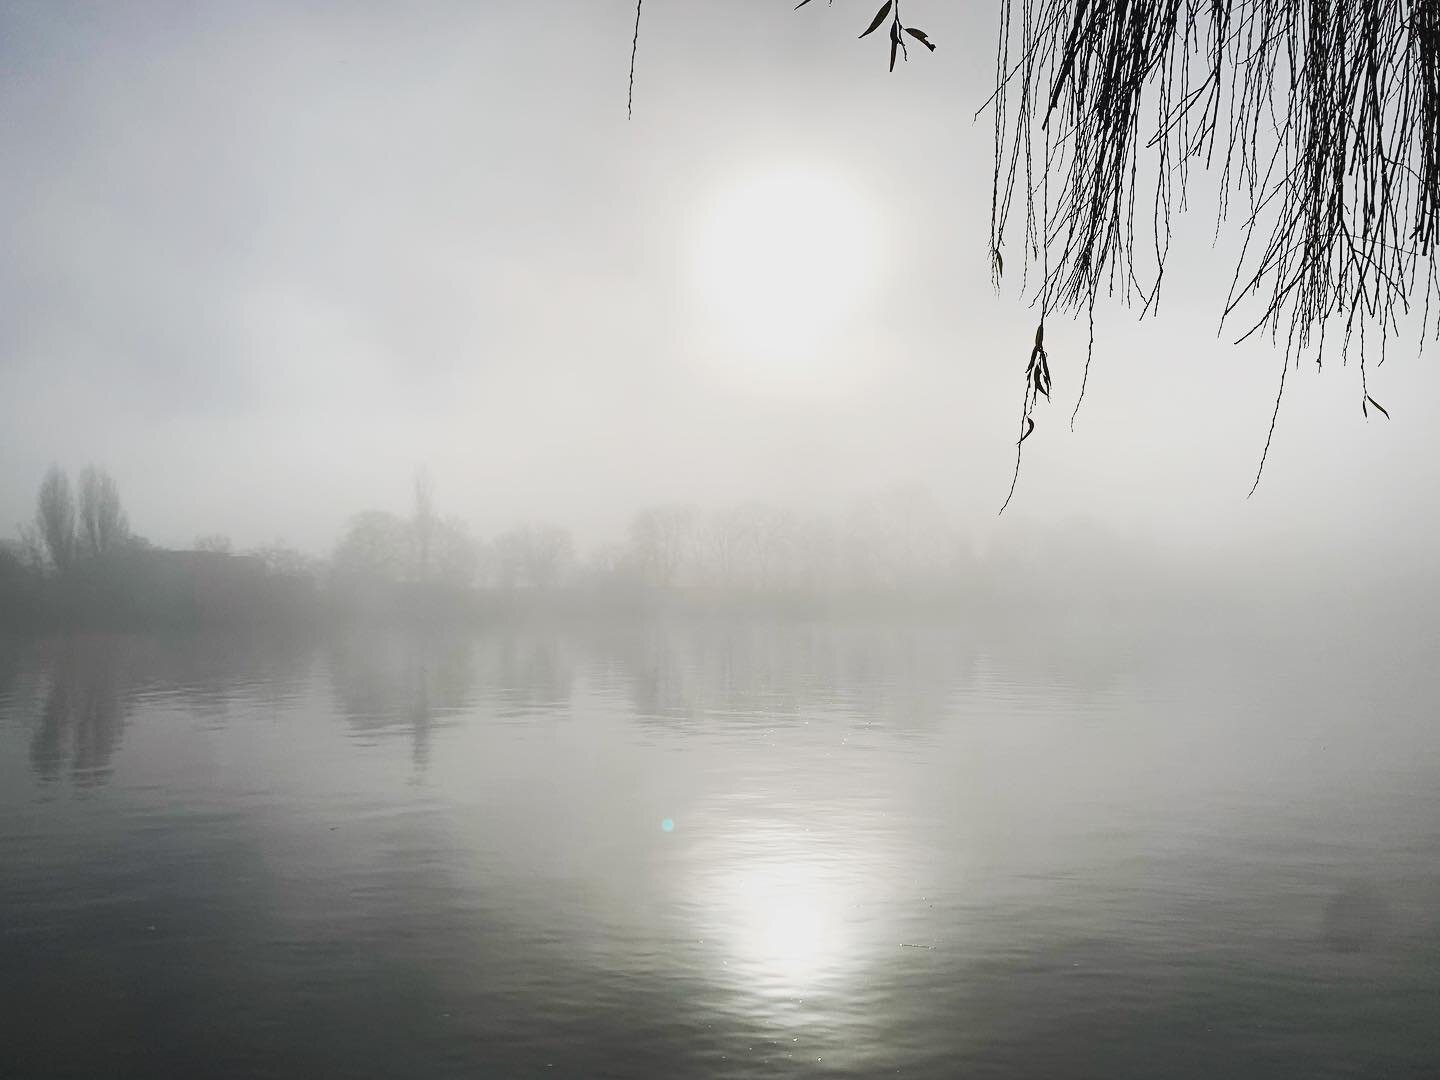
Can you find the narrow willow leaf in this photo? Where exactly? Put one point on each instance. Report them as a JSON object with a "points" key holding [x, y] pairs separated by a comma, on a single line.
{"points": [[919, 35], [1377, 405], [1029, 427], [879, 18]]}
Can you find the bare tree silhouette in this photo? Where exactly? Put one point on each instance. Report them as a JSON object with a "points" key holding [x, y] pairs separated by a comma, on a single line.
{"points": [[103, 524], [55, 519]]}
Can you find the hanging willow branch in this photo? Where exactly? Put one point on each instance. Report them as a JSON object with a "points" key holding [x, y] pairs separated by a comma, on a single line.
{"points": [[1321, 116]]}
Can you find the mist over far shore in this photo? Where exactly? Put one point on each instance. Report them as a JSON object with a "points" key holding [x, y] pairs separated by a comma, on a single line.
{"points": [[82, 562]]}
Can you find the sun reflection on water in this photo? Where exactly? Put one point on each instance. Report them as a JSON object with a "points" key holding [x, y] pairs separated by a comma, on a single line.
{"points": [[787, 924], [783, 912]]}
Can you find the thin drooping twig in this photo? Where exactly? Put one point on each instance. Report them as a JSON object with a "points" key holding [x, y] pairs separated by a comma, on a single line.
{"points": [[1026, 426], [1037, 382], [634, 49], [1089, 355], [1270, 435]]}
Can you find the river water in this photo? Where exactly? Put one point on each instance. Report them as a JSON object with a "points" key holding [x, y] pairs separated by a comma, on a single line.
{"points": [[722, 849]]}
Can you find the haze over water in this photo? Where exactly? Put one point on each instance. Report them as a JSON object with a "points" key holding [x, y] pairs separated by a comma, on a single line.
{"points": [[720, 849]]}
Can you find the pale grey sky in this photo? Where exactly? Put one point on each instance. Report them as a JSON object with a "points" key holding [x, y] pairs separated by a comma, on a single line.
{"points": [[265, 260]]}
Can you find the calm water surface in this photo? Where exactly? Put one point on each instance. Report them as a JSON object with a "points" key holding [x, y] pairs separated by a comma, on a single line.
{"points": [[722, 849]]}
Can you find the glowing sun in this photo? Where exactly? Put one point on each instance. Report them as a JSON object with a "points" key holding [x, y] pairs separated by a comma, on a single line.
{"points": [[784, 259]]}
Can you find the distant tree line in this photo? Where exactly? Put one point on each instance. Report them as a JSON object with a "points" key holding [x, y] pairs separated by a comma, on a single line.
{"points": [[899, 544], [79, 561]]}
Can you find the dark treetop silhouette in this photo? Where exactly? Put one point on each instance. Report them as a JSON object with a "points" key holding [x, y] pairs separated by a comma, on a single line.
{"points": [[1322, 118]]}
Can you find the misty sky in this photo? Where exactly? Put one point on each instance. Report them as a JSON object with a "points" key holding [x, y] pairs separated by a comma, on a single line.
{"points": [[265, 260]]}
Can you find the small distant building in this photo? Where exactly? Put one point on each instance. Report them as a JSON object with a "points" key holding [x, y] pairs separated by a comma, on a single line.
{"points": [[204, 585]]}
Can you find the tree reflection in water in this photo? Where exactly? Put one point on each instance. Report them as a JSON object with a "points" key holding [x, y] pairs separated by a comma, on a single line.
{"points": [[85, 708]]}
